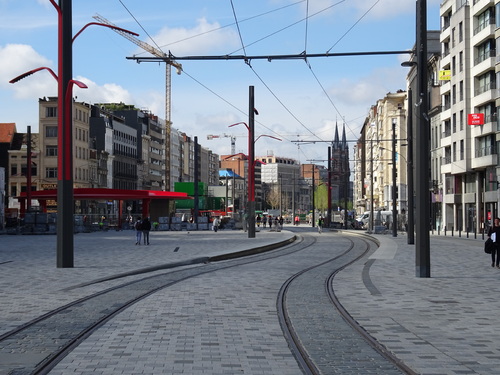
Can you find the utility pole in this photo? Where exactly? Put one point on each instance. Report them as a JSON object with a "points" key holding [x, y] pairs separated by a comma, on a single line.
{"points": [[251, 163], [422, 244], [329, 191], [313, 188], [394, 182], [409, 171], [196, 208], [65, 240]]}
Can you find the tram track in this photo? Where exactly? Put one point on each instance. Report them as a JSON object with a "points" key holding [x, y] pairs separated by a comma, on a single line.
{"points": [[45, 341], [302, 346]]}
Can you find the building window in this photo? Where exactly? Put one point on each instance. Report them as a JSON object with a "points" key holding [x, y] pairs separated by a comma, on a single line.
{"points": [[51, 132], [50, 150], [50, 172], [50, 111]]}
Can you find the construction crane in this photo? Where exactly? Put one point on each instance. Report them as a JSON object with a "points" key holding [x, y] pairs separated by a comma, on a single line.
{"points": [[233, 140], [168, 83]]}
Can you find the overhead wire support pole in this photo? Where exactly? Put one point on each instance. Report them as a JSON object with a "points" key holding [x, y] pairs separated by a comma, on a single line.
{"points": [[300, 56]]}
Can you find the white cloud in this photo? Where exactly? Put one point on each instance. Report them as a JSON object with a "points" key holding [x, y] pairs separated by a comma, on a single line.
{"points": [[18, 59], [106, 93], [203, 38]]}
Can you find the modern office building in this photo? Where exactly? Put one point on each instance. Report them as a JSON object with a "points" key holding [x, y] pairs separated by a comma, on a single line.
{"points": [[470, 41]]}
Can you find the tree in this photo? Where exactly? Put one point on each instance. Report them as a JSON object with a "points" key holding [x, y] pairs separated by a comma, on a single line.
{"points": [[321, 197], [273, 197]]}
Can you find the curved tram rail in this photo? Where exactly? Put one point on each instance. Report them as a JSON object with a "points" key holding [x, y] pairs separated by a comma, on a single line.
{"points": [[304, 353]]}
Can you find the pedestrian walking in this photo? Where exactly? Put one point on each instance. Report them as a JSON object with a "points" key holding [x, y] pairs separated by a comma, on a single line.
{"points": [[281, 221], [270, 219], [297, 220], [138, 231], [258, 220], [320, 225], [264, 221], [494, 234], [215, 224], [146, 227]]}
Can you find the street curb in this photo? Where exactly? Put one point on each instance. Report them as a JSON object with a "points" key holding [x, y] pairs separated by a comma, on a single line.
{"points": [[256, 250]]}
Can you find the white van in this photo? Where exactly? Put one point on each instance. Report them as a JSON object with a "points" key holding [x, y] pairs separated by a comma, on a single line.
{"points": [[383, 216]]}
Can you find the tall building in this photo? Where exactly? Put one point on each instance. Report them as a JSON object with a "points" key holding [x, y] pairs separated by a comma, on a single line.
{"points": [[470, 36], [283, 175], [374, 154], [48, 133]]}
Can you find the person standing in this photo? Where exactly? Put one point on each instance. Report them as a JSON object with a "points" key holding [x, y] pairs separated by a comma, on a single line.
{"points": [[146, 227], [494, 234], [216, 224], [138, 231]]}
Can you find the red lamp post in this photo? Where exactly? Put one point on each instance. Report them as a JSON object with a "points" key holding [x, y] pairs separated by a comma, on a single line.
{"points": [[65, 245], [251, 163]]}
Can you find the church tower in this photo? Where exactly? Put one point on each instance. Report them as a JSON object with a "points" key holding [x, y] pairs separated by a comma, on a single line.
{"points": [[340, 169]]}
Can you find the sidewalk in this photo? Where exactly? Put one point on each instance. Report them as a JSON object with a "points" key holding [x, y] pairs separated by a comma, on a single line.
{"points": [[445, 324], [31, 284]]}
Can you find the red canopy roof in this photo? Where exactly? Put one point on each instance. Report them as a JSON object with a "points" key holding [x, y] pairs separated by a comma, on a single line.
{"points": [[110, 194]]}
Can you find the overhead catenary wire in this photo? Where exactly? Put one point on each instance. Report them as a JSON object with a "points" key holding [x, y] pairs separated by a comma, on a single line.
{"points": [[231, 24], [289, 26], [199, 82], [302, 56], [352, 27], [238, 27], [138, 23], [316, 77]]}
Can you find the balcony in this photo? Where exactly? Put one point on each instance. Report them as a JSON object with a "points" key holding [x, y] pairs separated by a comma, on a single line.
{"points": [[484, 62], [484, 94], [484, 157], [446, 165]]}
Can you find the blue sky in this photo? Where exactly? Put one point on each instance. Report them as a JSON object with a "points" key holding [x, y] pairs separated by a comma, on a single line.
{"points": [[211, 95]]}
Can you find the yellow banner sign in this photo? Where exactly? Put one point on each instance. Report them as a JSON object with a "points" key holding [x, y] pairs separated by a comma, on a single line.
{"points": [[444, 75]]}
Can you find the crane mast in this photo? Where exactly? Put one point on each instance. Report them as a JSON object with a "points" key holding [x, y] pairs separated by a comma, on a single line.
{"points": [[168, 85]]}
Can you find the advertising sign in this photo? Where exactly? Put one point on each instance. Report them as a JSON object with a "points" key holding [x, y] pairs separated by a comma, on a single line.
{"points": [[475, 119]]}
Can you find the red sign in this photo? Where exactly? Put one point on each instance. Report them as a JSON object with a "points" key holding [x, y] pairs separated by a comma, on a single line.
{"points": [[476, 119]]}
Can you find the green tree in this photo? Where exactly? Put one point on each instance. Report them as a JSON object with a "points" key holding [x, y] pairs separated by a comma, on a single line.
{"points": [[321, 197]]}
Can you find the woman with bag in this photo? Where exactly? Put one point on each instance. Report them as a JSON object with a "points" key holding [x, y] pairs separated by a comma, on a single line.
{"points": [[494, 234]]}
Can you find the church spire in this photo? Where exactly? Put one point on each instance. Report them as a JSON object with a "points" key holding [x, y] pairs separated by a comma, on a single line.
{"points": [[344, 140], [336, 141]]}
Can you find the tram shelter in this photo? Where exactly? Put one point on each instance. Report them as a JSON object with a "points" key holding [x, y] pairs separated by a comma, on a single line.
{"points": [[120, 195]]}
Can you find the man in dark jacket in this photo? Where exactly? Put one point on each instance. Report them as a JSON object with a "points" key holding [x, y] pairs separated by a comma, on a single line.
{"points": [[494, 234], [146, 227]]}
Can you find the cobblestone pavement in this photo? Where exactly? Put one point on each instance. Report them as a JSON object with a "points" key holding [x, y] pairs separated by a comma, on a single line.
{"points": [[225, 322]]}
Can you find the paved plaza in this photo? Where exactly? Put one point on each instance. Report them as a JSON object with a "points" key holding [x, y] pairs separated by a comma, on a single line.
{"points": [[445, 324]]}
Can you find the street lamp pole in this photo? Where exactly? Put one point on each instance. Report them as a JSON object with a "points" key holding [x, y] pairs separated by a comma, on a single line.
{"points": [[65, 203]]}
